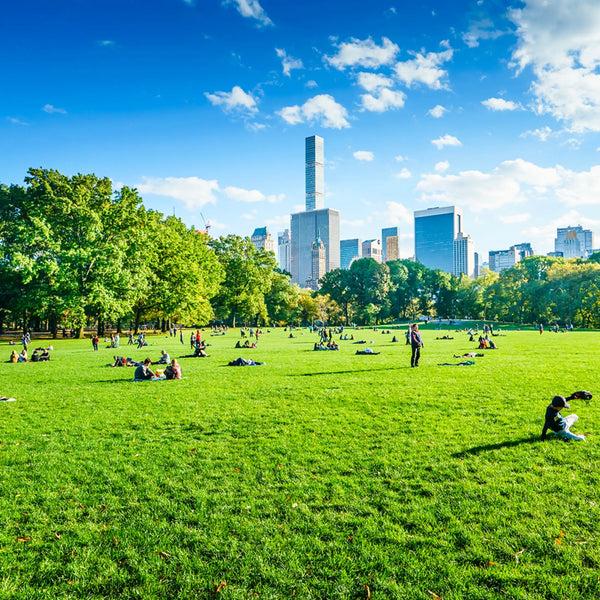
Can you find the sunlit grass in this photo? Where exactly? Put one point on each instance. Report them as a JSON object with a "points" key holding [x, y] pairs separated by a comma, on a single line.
{"points": [[313, 476]]}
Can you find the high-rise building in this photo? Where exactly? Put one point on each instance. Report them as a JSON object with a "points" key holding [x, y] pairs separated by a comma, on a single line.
{"points": [[574, 242], [372, 249], [285, 250], [261, 238], [315, 172], [524, 250], [318, 264], [464, 255], [392, 234], [306, 226], [477, 266], [316, 221], [350, 250], [503, 259], [435, 231]]}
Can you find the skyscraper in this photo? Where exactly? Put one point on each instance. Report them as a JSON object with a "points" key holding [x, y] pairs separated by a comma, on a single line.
{"points": [[388, 233], [305, 228], [435, 231], [574, 242], [315, 172], [503, 259], [464, 256], [524, 250], [316, 221], [318, 264], [349, 250], [285, 250]]}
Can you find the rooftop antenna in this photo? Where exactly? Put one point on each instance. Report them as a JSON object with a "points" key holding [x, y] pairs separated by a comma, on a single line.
{"points": [[207, 224]]}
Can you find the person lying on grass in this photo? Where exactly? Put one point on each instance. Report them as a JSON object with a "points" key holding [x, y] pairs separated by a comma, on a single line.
{"points": [[244, 362], [144, 371], [121, 361], [368, 351], [557, 423], [199, 352], [469, 355]]}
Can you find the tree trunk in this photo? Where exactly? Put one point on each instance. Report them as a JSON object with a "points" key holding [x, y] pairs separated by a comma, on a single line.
{"points": [[119, 326], [53, 324], [138, 317]]}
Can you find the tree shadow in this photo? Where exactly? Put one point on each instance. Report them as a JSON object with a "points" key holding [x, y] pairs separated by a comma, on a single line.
{"points": [[344, 372], [498, 446]]}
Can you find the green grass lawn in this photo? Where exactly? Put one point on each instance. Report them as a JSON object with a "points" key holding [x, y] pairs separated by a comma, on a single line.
{"points": [[318, 475]]}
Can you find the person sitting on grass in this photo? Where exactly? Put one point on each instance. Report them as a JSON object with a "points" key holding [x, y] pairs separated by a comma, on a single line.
{"points": [[14, 357], [164, 359], [35, 357], [144, 371], [560, 425], [23, 356], [173, 371]]}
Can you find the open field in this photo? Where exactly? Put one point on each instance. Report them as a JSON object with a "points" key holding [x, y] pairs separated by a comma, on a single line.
{"points": [[318, 475]]}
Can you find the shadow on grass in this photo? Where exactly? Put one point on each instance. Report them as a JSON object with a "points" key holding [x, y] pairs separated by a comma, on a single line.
{"points": [[498, 446], [344, 372]]}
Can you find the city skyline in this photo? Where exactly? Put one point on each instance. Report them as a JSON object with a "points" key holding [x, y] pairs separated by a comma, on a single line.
{"points": [[202, 106]]}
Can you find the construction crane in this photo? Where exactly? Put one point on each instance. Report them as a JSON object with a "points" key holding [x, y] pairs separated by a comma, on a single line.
{"points": [[207, 224]]}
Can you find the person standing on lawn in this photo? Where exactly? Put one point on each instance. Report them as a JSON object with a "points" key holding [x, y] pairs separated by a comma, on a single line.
{"points": [[416, 343]]}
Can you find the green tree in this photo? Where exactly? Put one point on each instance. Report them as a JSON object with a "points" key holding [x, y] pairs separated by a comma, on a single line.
{"points": [[248, 276]]}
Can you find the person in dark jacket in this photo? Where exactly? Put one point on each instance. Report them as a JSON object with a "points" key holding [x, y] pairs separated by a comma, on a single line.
{"points": [[557, 423], [416, 344], [144, 371]]}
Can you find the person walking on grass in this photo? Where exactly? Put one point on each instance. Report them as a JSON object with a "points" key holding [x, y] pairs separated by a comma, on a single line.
{"points": [[416, 344], [557, 423]]}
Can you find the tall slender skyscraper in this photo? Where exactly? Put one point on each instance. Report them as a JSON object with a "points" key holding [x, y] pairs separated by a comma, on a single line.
{"points": [[435, 231], [464, 255], [315, 172], [316, 221], [390, 232]]}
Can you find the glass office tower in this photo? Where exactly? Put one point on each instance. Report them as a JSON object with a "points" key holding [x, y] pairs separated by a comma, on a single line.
{"points": [[349, 251], [435, 231], [315, 172]]}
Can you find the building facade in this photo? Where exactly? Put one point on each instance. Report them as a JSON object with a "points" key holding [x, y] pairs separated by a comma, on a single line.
{"points": [[315, 172], [464, 256], [503, 259], [524, 250], [318, 264], [261, 238], [574, 242], [305, 228], [350, 250], [372, 249], [284, 240], [435, 231], [390, 238]]}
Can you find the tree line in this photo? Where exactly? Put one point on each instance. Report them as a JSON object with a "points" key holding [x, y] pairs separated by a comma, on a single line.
{"points": [[75, 253]]}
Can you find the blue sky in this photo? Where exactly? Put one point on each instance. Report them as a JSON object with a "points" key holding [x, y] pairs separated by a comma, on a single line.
{"points": [[203, 105]]}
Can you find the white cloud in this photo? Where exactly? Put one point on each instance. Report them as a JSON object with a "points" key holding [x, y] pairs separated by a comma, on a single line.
{"points": [[312, 84], [447, 140], [287, 62], [442, 166], [403, 174], [398, 213], [192, 191], [518, 218], [235, 101], [384, 100], [541, 134], [373, 81], [399, 158], [559, 40], [322, 109], [500, 104], [513, 182], [425, 69], [252, 10], [282, 221], [364, 155], [48, 108], [437, 111], [16, 121], [481, 30], [242, 195], [364, 53], [106, 43]]}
